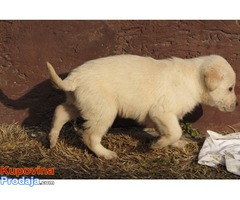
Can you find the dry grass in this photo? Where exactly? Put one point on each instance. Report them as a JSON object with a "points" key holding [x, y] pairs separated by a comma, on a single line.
{"points": [[71, 159]]}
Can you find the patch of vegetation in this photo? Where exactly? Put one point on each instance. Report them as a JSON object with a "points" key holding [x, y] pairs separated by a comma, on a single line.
{"points": [[187, 128], [71, 159]]}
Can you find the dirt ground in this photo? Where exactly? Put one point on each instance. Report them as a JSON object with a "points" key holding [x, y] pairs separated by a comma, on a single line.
{"points": [[70, 159]]}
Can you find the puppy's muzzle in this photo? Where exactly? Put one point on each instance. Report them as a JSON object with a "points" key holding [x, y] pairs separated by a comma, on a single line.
{"points": [[231, 108]]}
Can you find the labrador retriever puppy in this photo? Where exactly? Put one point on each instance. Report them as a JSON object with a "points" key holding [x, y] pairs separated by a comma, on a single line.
{"points": [[147, 90]]}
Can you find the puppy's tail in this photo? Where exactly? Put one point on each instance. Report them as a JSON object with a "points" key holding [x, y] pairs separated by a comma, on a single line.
{"points": [[57, 81]]}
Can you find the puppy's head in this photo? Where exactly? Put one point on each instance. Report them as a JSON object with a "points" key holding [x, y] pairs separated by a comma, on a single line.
{"points": [[219, 81]]}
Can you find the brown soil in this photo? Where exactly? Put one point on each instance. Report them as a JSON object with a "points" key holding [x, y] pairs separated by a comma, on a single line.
{"points": [[25, 148]]}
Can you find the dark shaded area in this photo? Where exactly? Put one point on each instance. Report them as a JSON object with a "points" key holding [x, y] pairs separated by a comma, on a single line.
{"points": [[195, 115], [38, 102]]}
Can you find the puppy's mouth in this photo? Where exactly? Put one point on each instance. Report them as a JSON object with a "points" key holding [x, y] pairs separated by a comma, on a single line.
{"points": [[227, 109]]}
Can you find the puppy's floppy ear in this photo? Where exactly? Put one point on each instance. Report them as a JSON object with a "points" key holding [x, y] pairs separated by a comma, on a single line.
{"points": [[212, 77]]}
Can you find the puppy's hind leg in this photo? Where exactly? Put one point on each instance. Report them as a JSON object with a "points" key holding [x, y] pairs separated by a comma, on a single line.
{"points": [[95, 129], [63, 113]]}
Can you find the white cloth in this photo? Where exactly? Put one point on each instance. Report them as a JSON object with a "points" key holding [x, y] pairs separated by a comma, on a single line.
{"points": [[221, 149]]}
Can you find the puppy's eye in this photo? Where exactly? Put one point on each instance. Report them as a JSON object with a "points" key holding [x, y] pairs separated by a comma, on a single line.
{"points": [[230, 89]]}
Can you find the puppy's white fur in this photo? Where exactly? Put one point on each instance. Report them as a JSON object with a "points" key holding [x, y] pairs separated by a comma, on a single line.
{"points": [[157, 91]]}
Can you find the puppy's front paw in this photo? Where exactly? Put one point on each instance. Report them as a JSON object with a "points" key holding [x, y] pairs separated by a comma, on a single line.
{"points": [[180, 144], [157, 145], [108, 155]]}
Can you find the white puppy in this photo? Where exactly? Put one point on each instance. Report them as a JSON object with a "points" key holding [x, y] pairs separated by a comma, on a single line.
{"points": [[147, 90]]}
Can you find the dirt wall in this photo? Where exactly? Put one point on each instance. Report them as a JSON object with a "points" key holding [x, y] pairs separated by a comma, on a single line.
{"points": [[27, 96]]}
